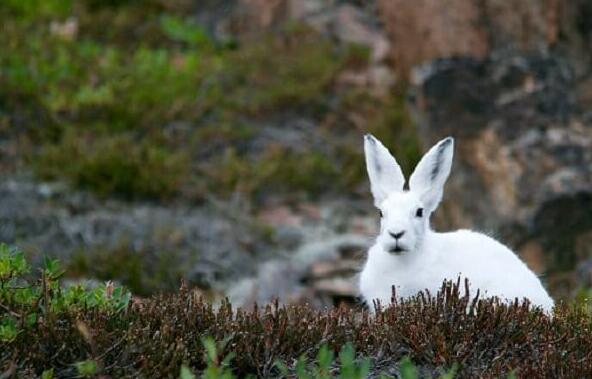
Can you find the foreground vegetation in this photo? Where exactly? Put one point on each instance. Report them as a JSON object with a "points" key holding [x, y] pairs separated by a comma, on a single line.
{"points": [[50, 330]]}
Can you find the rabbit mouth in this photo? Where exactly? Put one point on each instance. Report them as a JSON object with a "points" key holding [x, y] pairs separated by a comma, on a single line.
{"points": [[397, 249]]}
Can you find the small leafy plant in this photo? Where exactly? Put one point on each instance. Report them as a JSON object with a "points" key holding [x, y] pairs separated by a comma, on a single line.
{"points": [[326, 368], [217, 367], [25, 301]]}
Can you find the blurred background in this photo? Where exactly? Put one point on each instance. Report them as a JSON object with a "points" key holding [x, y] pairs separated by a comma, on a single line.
{"points": [[220, 141]]}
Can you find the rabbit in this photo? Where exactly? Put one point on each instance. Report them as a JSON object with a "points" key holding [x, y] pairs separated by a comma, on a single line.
{"points": [[412, 257]]}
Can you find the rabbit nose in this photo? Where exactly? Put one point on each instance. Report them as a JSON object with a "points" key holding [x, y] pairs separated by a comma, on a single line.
{"points": [[397, 235]]}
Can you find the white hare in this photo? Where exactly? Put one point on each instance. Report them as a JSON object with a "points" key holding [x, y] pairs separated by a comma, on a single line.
{"points": [[412, 257]]}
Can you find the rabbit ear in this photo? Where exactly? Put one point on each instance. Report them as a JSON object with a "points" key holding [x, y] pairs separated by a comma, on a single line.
{"points": [[383, 170], [431, 173]]}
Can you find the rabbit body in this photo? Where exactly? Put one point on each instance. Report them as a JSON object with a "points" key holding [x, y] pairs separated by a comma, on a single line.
{"points": [[491, 268], [410, 256]]}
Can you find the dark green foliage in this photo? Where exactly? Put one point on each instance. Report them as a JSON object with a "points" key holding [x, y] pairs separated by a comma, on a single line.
{"points": [[277, 170], [115, 165], [25, 303], [144, 272], [36, 8], [88, 332]]}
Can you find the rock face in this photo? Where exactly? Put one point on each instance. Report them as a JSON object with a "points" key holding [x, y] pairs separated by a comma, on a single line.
{"points": [[307, 254], [205, 245], [320, 273], [523, 165], [429, 29], [424, 30]]}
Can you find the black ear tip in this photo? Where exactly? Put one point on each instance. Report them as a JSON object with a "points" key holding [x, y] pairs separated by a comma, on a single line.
{"points": [[447, 141], [369, 137]]}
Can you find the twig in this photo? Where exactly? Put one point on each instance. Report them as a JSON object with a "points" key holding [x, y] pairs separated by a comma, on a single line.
{"points": [[10, 311]]}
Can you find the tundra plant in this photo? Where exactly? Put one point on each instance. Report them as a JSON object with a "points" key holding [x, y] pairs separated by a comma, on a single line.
{"points": [[24, 301]]}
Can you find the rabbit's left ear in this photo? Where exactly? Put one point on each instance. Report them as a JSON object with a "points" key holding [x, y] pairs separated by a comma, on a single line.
{"points": [[383, 170], [431, 173]]}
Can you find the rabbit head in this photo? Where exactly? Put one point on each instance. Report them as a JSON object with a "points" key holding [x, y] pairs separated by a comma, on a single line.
{"points": [[405, 213]]}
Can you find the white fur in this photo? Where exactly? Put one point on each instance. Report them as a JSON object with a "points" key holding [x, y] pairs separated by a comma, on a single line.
{"points": [[421, 258]]}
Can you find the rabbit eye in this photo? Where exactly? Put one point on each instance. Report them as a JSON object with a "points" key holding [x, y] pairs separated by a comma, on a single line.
{"points": [[419, 212], [380, 213]]}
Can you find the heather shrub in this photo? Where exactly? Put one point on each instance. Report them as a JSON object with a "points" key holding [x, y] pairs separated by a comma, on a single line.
{"points": [[54, 331]]}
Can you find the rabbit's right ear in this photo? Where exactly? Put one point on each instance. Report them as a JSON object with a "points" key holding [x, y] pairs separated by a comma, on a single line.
{"points": [[383, 170], [431, 173]]}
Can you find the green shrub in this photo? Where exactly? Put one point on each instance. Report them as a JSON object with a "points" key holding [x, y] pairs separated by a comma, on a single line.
{"points": [[86, 368], [389, 120], [583, 299], [304, 67], [178, 29], [277, 170], [24, 303], [114, 165], [143, 272], [29, 9]]}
